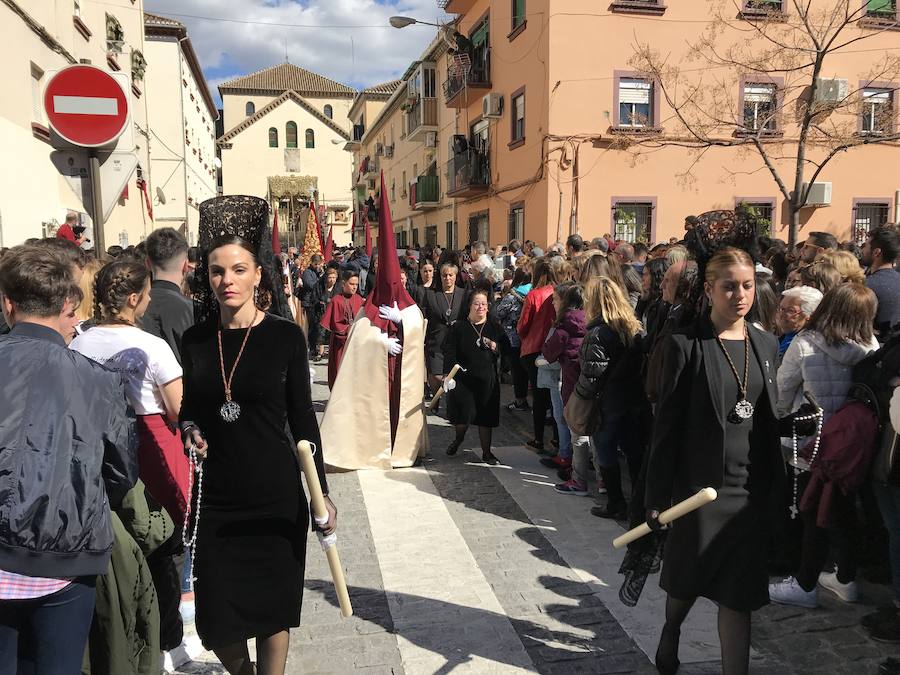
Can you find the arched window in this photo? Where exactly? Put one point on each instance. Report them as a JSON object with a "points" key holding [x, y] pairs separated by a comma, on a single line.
{"points": [[310, 138], [290, 135], [273, 137], [329, 113], [250, 108]]}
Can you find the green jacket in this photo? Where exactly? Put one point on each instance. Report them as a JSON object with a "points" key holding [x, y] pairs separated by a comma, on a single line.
{"points": [[125, 631]]}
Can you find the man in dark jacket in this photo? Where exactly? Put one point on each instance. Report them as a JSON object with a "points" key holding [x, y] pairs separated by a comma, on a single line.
{"points": [[169, 313], [308, 292], [68, 451]]}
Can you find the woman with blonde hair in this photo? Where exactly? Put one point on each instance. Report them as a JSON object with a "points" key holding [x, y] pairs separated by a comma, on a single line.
{"points": [[846, 264], [820, 275], [85, 311], [610, 361], [715, 426]]}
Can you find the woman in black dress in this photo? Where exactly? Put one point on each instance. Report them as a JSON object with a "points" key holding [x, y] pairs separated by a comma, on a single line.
{"points": [[246, 378], [442, 306], [474, 395], [716, 426]]}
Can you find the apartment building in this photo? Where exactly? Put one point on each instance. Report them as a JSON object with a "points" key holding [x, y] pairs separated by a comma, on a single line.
{"points": [[39, 38], [546, 106], [403, 140], [182, 127]]}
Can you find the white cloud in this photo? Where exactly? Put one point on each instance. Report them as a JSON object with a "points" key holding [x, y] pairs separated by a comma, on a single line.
{"points": [[226, 49]]}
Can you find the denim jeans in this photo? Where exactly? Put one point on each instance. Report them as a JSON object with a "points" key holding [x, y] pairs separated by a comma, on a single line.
{"points": [[565, 436], [888, 497], [47, 636]]}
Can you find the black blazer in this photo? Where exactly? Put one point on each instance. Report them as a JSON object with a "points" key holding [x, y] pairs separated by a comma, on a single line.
{"points": [[688, 446], [434, 306]]}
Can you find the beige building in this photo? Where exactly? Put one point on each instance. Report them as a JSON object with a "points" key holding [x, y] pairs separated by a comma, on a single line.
{"points": [[38, 38], [404, 140], [182, 126], [285, 132], [539, 99]]}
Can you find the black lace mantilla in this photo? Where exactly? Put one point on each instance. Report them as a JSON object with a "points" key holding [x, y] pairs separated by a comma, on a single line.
{"points": [[248, 218]]}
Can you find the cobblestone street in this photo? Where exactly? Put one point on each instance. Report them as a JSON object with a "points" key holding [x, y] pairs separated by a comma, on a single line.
{"points": [[456, 567]]}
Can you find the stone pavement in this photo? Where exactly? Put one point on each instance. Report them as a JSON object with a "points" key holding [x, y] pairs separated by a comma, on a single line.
{"points": [[456, 567]]}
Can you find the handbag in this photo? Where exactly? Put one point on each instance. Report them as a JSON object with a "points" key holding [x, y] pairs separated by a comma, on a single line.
{"points": [[582, 415]]}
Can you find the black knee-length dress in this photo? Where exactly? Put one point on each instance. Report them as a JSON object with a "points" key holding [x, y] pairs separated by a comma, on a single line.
{"points": [[254, 518], [719, 550], [476, 399]]}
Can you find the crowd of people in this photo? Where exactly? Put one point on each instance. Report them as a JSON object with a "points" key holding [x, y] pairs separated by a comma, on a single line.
{"points": [[639, 373]]}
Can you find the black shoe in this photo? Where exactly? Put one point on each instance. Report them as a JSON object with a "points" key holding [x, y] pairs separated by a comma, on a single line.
{"points": [[666, 660], [564, 474], [880, 615], [453, 448], [887, 630], [490, 459], [613, 510]]}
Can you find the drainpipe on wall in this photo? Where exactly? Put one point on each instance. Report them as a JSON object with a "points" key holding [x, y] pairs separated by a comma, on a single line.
{"points": [[184, 155], [896, 210]]}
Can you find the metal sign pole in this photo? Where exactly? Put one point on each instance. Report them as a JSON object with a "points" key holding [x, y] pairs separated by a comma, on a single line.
{"points": [[97, 206]]}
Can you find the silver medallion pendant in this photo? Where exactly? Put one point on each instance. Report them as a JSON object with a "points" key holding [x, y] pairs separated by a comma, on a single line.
{"points": [[479, 343], [230, 411], [743, 411]]}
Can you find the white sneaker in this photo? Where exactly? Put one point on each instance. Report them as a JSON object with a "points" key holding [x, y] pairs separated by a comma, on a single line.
{"points": [[173, 659], [789, 592], [193, 646], [848, 592]]}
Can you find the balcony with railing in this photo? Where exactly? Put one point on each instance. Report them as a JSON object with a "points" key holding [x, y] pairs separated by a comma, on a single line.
{"points": [[467, 71], [370, 168], [421, 117], [468, 174], [425, 193]]}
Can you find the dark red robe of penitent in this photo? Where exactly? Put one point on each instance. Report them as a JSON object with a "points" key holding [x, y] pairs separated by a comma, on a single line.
{"points": [[388, 290], [338, 317]]}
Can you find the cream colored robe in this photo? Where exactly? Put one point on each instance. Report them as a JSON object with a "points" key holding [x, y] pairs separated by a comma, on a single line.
{"points": [[356, 428]]}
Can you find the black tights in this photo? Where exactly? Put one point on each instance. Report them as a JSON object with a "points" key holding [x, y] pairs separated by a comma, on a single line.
{"points": [[734, 637], [484, 436], [540, 400]]}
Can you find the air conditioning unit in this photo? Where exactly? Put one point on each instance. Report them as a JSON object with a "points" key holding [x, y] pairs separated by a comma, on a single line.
{"points": [[431, 139], [388, 151], [492, 106], [831, 90], [379, 149], [819, 194]]}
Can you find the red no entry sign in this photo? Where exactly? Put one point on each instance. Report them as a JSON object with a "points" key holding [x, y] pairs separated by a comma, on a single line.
{"points": [[86, 106]]}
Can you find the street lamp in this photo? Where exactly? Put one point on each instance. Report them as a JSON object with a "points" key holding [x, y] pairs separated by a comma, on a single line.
{"points": [[404, 21]]}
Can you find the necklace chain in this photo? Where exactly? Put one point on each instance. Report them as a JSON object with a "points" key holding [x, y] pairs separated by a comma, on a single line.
{"points": [[742, 386], [818, 416], [195, 465], [227, 380]]}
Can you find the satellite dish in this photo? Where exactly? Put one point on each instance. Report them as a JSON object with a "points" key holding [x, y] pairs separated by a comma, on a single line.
{"points": [[160, 195]]}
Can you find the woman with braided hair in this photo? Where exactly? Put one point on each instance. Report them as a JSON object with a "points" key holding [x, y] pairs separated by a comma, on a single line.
{"points": [[151, 374], [153, 386]]}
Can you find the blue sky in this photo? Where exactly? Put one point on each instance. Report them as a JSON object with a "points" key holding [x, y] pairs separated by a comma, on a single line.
{"points": [[349, 40]]}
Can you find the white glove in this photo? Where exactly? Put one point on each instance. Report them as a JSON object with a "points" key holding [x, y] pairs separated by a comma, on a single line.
{"points": [[392, 314], [448, 385], [392, 344]]}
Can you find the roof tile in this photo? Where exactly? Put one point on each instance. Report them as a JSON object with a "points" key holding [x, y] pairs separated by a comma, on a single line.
{"points": [[287, 77]]}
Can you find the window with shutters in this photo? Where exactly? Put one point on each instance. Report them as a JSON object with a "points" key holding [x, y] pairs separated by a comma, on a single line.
{"points": [[877, 111], [290, 134], [635, 103], [759, 106], [273, 137], [518, 14], [450, 233], [517, 119], [516, 221], [310, 139]]}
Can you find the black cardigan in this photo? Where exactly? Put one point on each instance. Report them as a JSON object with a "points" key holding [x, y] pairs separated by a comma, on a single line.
{"points": [[687, 450]]}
